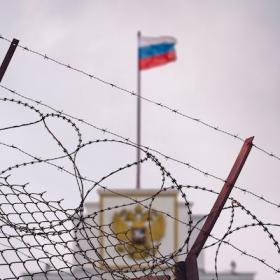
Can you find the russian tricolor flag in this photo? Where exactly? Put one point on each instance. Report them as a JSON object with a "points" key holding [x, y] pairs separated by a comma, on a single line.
{"points": [[156, 51]]}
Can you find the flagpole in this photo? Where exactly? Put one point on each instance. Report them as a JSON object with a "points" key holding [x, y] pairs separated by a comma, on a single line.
{"points": [[138, 172]]}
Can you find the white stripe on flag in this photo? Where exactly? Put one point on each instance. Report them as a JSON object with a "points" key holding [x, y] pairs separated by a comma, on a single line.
{"points": [[147, 41]]}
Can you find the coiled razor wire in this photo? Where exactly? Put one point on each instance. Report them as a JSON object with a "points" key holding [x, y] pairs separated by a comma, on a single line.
{"points": [[244, 190], [41, 239]]}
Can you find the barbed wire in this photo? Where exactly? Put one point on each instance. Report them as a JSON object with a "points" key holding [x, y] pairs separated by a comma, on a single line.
{"points": [[36, 231], [145, 148], [133, 93]]}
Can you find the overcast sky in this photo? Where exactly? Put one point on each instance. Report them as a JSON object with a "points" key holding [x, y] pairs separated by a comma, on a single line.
{"points": [[227, 74]]}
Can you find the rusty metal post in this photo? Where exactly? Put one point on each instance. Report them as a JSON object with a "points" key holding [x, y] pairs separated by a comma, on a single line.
{"points": [[8, 58], [191, 269]]}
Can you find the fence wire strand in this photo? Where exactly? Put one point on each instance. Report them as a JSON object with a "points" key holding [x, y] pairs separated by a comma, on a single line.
{"points": [[132, 93]]}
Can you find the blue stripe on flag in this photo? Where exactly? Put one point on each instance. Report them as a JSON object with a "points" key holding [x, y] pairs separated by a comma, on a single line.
{"points": [[153, 50]]}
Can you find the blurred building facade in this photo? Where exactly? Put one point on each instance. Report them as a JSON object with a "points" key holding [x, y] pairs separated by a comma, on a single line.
{"points": [[169, 227]]}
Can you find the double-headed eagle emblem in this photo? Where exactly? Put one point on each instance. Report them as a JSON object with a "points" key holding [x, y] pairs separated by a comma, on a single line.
{"points": [[138, 231]]}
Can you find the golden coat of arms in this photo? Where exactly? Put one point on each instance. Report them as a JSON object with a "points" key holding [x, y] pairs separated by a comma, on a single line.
{"points": [[138, 231]]}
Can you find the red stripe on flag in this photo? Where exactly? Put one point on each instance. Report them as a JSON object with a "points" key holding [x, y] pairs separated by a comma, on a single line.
{"points": [[157, 60]]}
